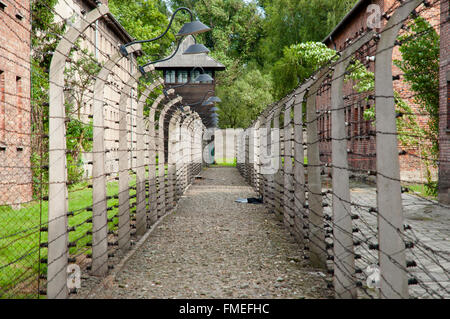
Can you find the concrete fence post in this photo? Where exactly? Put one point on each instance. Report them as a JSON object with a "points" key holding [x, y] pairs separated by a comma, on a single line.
{"points": [[124, 170], [394, 281], [257, 177], [270, 175], [300, 218], [172, 157], [58, 195], [141, 212], [150, 148], [288, 169], [153, 149], [161, 158], [318, 254], [99, 207], [344, 259], [278, 163]]}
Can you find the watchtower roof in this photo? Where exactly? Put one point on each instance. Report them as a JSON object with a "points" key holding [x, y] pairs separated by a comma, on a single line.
{"points": [[181, 60]]}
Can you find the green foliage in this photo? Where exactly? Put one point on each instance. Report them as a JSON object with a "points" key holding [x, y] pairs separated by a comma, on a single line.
{"points": [[143, 20], [236, 26], [79, 79], [295, 21], [363, 78], [244, 99], [420, 65], [298, 63], [44, 37]]}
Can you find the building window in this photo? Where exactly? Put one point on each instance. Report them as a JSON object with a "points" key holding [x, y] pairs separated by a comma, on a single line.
{"points": [[19, 101], [182, 76], [170, 76], [210, 74], [194, 74]]}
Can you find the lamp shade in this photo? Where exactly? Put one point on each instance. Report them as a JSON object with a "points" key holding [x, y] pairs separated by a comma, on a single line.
{"points": [[194, 27], [214, 99], [206, 103], [214, 115], [214, 109], [203, 78], [196, 48]]}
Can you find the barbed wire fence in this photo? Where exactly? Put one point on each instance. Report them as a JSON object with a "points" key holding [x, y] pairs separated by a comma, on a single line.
{"points": [[372, 240], [102, 179]]}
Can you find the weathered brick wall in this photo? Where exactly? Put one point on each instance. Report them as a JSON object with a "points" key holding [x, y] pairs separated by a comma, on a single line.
{"points": [[363, 143], [444, 123], [15, 150]]}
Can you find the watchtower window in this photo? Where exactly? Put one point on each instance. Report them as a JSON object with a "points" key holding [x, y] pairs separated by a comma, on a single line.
{"points": [[194, 74], [182, 76], [170, 76]]}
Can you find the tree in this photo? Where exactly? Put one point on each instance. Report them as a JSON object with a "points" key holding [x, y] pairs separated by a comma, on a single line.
{"points": [[299, 61], [244, 99], [44, 39], [143, 19], [237, 27], [79, 79], [420, 65], [289, 22]]}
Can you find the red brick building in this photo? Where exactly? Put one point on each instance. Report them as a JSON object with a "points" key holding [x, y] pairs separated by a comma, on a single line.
{"points": [[444, 109], [362, 144], [15, 148]]}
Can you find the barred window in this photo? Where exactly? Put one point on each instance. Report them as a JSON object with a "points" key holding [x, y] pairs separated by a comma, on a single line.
{"points": [[170, 76], [182, 76]]}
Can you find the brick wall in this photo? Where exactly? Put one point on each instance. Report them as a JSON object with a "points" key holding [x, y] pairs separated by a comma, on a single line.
{"points": [[362, 145], [15, 150], [444, 123]]}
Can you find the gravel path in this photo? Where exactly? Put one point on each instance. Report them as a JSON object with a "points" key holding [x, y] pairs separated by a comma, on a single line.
{"points": [[213, 247]]}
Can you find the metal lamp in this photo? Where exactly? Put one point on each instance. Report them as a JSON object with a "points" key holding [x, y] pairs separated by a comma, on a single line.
{"points": [[190, 28]]}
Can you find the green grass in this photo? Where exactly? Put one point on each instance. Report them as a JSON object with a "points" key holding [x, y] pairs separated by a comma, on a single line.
{"points": [[225, 162], [420, 189], [20, 231]]}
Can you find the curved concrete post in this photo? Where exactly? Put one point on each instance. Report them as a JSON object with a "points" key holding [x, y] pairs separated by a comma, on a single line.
{"points": [[173, 146], [153, 146], [394, 281], [150, 149], [263, 158], [256, 163], [161, 158], [344, 259], [58, 195], [198, 133], [240, 152], [99, 208], [277, 161], [197, 130], [272, 169], [288, 198], [141, 212], [185, 140], [251, 156], [177, 155], [124, 167], [300, 218], [318, 254], [190, 142]]}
